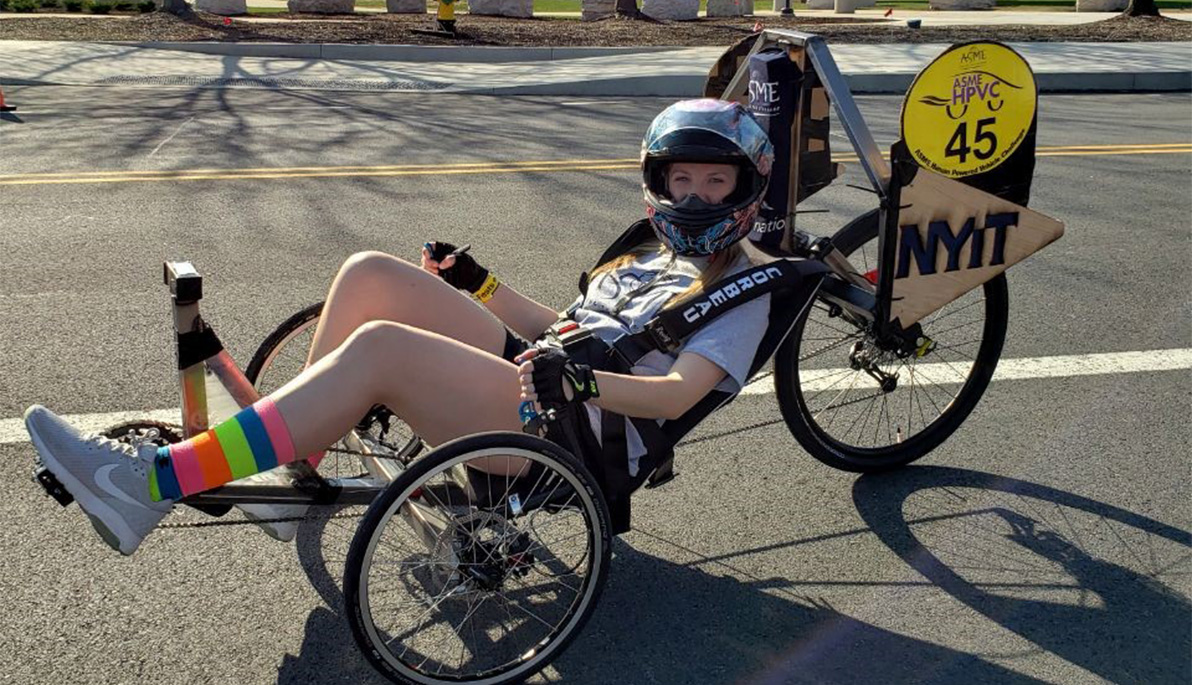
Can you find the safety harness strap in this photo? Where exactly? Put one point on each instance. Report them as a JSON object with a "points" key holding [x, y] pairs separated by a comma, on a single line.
{"points": [[669, 328], [666, 333]]}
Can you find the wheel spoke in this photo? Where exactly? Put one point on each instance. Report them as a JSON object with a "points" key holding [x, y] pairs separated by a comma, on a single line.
{"points": [[848, 415], [494, 589]]}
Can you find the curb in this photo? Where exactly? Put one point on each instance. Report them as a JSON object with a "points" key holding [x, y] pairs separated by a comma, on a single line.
{"points": [[439, 54], [682, 86], [691, 85]]}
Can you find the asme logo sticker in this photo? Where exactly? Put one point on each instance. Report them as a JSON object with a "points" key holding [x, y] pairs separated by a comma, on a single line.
{"points": [[764, 97]]}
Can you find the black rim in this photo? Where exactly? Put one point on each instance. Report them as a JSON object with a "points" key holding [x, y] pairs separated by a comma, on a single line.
{"points": [[839, 370]]}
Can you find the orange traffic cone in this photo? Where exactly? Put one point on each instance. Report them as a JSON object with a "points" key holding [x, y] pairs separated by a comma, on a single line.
{"points": [[4, 107]]}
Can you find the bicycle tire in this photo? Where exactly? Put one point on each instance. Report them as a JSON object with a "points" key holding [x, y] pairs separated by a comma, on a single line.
{"points": [[386, 509], [271, 349], [285, 332], [837, 453]]}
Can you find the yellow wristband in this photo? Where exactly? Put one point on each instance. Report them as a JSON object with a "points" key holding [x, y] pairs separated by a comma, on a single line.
{"points": [[486, 291]]}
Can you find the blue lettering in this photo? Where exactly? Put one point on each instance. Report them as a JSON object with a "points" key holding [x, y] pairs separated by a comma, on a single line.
{"points": [[999, 223], [912, 244], [978, 249]]}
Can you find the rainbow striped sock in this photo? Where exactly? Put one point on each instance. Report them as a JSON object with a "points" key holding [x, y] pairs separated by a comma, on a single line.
{"points": [[255, 440]]}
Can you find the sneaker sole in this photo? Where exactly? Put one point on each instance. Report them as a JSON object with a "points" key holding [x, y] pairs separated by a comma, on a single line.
{"points": [[110, 525]]}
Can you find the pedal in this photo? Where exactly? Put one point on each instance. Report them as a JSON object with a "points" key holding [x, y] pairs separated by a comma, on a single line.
{"points": [[52, 487]]}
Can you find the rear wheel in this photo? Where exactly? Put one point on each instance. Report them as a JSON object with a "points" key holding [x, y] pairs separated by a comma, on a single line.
{"points": [[325, 534], [460, 576], [857, 406]]}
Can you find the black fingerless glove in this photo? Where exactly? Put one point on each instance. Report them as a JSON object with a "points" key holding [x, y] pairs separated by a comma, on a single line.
{"points": [[465, 274], [552, 369]]}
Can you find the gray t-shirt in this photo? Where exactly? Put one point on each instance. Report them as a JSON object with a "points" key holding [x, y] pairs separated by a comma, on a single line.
{"points": [[622, 301]]}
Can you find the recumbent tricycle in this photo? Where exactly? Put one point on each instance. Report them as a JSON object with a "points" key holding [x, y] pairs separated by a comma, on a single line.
{"points": [[883, 337]]}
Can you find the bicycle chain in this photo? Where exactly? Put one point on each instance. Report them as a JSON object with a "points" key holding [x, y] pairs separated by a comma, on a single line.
{"points": [[284, 519]]}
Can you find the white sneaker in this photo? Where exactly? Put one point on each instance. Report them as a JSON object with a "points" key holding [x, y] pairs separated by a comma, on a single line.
{"points": [[109, 479]]}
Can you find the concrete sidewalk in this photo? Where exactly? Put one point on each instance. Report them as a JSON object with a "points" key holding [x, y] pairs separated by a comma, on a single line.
{"points": [[668, 72]]}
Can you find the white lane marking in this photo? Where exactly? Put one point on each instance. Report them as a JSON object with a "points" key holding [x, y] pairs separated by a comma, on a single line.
{"points": [[1015, 369], [13, 430]]}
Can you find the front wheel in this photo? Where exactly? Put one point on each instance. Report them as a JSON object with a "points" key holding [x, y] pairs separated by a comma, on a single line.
{"points": [[456, 575], [858, 407]]}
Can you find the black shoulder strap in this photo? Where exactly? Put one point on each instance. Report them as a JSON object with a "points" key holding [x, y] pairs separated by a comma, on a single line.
{"points": [[667, 330]]}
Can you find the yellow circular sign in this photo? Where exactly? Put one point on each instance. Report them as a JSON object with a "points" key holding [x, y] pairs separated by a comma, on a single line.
{"points": [[969, 110]]}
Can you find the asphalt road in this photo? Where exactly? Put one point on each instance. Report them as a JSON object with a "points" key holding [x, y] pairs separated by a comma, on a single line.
{"points": [[1047, 541]]}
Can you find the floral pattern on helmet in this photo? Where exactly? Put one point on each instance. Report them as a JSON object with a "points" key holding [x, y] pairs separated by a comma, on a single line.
{"points": [[722, 117], [712, 239]]}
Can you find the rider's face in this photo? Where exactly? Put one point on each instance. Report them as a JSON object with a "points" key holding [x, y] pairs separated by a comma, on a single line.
{"points": [[712, 183]]}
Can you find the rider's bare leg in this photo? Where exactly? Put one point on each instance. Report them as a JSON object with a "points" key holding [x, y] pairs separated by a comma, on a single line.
{"points": [[374, 286], [441, 387]]}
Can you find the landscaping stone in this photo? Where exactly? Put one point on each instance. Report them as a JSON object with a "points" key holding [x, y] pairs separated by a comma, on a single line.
{"points": [[672, 10], [224, 7], [1101, 5], [321, 6], [591, 10], [405, 6], [502, 8], [729, 8]]}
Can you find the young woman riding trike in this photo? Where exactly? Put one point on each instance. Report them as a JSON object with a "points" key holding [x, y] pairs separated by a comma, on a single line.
{"points": [[480, 559]]}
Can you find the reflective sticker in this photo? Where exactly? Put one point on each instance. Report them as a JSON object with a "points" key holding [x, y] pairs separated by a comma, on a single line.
{"points": [[969, 110]]}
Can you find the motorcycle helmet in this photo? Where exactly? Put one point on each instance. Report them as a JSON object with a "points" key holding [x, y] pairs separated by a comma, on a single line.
{"points": [[705, 131]]}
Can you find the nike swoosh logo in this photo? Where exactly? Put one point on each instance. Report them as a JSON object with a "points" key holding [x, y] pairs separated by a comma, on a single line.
{"points": [[103, 478]]}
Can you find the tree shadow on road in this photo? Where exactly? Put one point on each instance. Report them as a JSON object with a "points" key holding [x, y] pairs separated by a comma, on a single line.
{"points": [[1084, 580], [663, 622], [1093, 584]]}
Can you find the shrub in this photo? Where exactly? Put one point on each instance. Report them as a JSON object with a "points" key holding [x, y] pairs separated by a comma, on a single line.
{"points": [[146, 6], [3, 5], [23, 5], [100, 7], [47, 4], [73, 5], [123, 6]]}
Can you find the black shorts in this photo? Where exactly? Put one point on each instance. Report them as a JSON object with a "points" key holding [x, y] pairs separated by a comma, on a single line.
{"points": [[514, 345]]}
